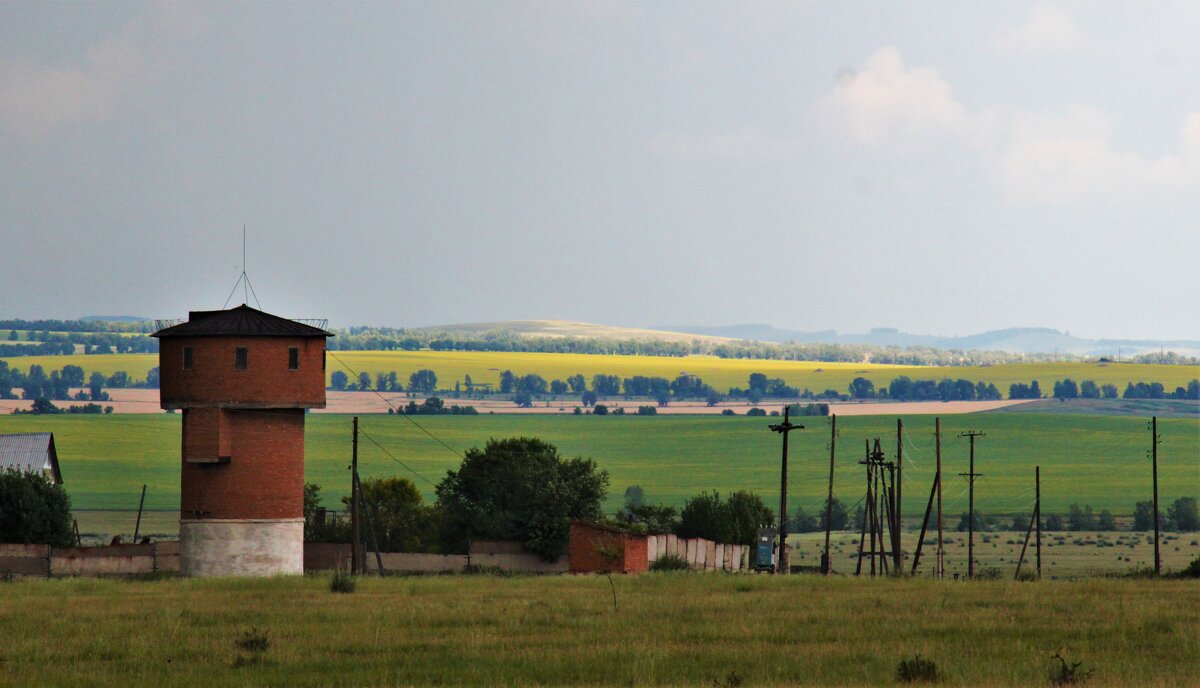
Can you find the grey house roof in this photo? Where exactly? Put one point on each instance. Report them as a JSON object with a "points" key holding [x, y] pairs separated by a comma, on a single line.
{"points": [[31, 453], [242, 321]]}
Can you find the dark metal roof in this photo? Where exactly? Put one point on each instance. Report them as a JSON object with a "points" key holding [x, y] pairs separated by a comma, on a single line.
{"points": [[242, 321], [30, 453]]}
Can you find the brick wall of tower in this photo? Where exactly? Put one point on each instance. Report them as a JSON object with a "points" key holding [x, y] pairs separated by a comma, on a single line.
{"points": [[264, 477], [266, 382]]}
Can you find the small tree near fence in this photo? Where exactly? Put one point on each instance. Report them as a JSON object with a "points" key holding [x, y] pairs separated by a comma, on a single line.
{"points": [[34, 511]]}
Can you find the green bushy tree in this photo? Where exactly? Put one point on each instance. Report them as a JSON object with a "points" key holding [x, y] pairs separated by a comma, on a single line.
{"points": [[34, 511], [519, 489]]}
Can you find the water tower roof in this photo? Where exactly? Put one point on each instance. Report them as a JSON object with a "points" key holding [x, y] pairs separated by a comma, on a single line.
{"points": [[242, 321]]}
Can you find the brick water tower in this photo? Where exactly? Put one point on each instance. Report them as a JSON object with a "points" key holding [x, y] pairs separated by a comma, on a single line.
{"points": [[244, 380]]}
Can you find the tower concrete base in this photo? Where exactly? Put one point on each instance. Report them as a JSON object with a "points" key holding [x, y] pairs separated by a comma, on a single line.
{"points": [[241, 547]]}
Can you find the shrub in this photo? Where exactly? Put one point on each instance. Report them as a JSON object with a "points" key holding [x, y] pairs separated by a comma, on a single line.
{"points": [[728, 412], [917, 669], [647, 411], [254, 644], [1067, 674], [1192, 570], [672, 562], [1184, 513], [252, 640], [342, 583], [756, 411]]}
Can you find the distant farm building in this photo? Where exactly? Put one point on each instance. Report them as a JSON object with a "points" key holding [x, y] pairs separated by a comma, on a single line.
{"points": [[31, 453], [243, 379]]}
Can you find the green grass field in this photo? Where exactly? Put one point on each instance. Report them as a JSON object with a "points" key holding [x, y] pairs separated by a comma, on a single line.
{"points": [[722, 373], [668, 629], [1097, 460]]}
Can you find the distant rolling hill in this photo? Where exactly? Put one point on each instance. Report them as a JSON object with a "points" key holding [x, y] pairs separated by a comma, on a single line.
{"points": [[114, 318], [1021, 340], [570, 328], [1018, 340]]}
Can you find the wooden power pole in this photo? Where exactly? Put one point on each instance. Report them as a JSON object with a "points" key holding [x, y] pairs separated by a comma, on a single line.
{"points": [[137, 528], [1037, 515], [1034, 518], [827, 563], [1154, 465], [355, 544], [970, 476], [784, 428], [939, 566], [899, 489]]}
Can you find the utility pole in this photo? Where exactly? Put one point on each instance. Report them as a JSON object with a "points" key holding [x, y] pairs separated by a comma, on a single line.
{"points": [[1033, 518], [880, 506], [1037, 516], [355, 545], [1154, 440], [784, 428], [893, 522], [970, 476], [827, 564], [862, 536], [899, 488], [924, 527], [138, 527], [939, 569]]}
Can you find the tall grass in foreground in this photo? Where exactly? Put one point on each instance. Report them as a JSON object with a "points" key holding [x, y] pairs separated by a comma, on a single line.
{"points": [[671, 629]]}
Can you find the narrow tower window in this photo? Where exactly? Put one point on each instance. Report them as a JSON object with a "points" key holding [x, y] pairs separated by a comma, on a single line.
{"points": [[187, 358], [293, 358], [240, 357]]}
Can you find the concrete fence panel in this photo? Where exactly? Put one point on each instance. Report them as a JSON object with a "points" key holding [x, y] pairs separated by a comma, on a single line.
{"points": [[710, 555], [651, 548], [409, 562], [25, 551], [672, 544], [115, 560], [521, 563], [25, 560]]}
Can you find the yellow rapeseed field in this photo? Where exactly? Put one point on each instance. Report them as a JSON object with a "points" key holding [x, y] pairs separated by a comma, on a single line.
{"points": [[722, 373]]}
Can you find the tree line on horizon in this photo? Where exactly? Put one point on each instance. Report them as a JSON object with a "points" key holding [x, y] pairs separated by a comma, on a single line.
{"points": [[524, 389]]}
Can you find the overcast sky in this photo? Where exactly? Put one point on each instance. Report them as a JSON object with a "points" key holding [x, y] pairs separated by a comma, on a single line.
{"points": [[942, 167]]}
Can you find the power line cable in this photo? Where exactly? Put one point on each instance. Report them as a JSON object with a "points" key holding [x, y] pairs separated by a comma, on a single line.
{"points": [[393, 458], [399, 412]]}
